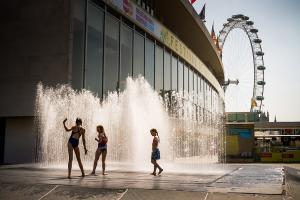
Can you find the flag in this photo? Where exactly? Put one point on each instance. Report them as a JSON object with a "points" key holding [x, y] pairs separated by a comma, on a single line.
{"points": [[193, 1], [213, 35], [202, 13]]}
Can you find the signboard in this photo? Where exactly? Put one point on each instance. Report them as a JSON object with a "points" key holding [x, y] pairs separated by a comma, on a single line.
{"points": [[243, 133]]}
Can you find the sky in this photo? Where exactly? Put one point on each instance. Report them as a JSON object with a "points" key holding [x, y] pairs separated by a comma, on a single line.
{"points": [[278, 27]]}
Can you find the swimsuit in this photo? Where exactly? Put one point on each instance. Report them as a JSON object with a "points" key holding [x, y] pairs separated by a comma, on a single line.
{"points": [[73, 141], [102, 147], [103, 144]]}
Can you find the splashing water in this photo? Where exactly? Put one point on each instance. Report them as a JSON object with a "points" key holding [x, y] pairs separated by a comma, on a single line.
{"points": [[189, 135]]}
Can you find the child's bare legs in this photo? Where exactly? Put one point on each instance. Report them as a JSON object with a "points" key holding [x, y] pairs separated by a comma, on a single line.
{"points": [[97, 155], [70, 151], [77, 153], [160, 169], [155, 166], [104, 152]]}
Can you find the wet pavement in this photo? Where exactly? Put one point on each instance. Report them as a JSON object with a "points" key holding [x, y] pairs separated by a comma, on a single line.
{"points": [[254, 181]]}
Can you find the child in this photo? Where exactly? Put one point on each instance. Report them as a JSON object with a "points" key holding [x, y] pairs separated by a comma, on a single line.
{"points": [[102, 149], [77, 132], [155, 152]]}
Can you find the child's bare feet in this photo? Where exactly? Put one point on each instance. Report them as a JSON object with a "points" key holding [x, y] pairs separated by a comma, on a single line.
{"points": [[69, 177], [153, 173], [93, 173], [82, 175], [104, 173]]}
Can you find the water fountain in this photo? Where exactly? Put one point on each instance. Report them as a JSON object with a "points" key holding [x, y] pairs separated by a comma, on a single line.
{"points": [[189, 134]]}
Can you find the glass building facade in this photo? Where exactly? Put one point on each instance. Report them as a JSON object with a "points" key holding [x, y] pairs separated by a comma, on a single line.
{"points": [[108, 47]]}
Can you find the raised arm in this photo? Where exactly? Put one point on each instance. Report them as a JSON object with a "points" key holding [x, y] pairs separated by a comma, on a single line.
{"points": [[66, 128], [83, 140]]}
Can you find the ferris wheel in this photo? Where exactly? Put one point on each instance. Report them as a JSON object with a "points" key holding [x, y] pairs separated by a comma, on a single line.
{"points": [[254, 81]]}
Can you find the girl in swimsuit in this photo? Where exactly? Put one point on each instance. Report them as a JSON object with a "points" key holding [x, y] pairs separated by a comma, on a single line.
{"points": [[102, 149], [73, 143], [155, 152]]}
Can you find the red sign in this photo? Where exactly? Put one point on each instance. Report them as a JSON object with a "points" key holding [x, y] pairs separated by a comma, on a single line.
{"points": [[266, 155]]}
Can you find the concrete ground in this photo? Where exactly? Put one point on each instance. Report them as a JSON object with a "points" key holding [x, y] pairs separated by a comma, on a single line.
{"points": [[292, 180], [236, 181]]}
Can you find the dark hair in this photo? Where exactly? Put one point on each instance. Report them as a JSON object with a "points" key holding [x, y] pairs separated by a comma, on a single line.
{"points": [[101, 128], [78, 121], [153, 130]]}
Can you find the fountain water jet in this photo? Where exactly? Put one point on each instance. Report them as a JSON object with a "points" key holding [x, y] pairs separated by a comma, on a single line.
{"points": [[127, 117]]}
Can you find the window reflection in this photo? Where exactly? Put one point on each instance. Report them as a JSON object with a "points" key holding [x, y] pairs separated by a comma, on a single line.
{"points": [[195, 88], [149, 61], [191, 81], [111, 53], [159, 69], [94, 59], [78, 44], [167, 71], [186, 80], [126, 55], [180, 76], [138, 55], [174, 73]]}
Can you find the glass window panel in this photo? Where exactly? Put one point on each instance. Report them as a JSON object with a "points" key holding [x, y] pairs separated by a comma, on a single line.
{"points": [[94, 59], [78, 43], [149, 61], [199, 91], [203, 92], [191, 81], [138, 55], [205, 95], [186, 79], [195, 87], [126, 55], [210, 97], [174, 73], [111, 53], [167, 71], [180, 76], [159, 68]]}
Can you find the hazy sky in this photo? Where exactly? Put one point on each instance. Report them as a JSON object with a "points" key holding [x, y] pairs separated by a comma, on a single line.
{"points": [[278, 22]]}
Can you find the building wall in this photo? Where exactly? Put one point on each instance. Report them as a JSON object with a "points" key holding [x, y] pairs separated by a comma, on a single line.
{"points": [[34, 38], [20, 140], [2, 139], [34, 47]]}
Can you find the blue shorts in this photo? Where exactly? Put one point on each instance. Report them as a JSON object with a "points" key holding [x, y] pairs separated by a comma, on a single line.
{"points": [[155, 154]]}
